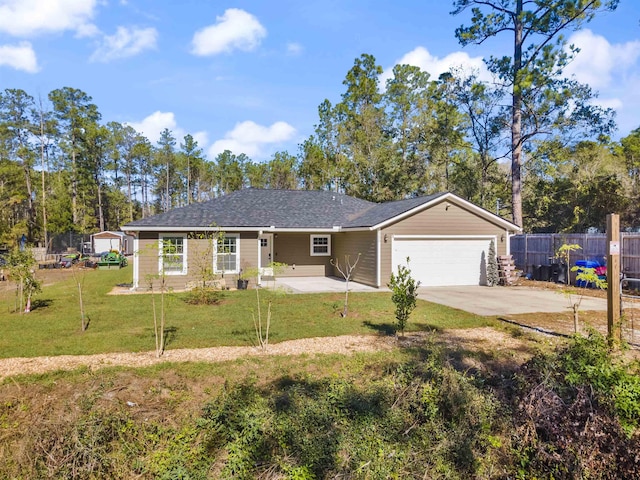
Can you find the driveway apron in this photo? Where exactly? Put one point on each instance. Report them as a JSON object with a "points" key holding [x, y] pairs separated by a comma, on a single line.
{"points": [[500, 301]]}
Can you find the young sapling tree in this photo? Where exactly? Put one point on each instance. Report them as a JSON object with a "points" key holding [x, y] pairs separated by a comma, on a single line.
{"points": [[202, 245], [21, 268], [260, 325], [404, 290], [564, 254], [78, 278], [171, 258], [585, 276], [346, 271]]}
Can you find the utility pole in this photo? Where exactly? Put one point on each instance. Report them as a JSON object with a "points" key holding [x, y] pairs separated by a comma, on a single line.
{"points": [[613, 279]]}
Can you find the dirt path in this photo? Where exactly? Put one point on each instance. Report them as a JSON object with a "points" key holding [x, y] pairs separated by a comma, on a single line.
{"points": [[343, 345], [477, 339]]}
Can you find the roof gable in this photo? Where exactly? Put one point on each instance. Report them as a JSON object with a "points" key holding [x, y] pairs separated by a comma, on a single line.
{"points": [[391, 212]]}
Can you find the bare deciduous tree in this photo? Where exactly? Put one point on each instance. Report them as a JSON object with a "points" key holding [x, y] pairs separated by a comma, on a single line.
{"points": [[346, 271]]}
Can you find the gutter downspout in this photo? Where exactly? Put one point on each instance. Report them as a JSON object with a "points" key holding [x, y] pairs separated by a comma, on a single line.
{"points": [[378, 256], [136, 264]]}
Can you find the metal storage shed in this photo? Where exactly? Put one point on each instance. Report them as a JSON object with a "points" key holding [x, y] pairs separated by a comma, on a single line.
{"points": [[109, 240]]}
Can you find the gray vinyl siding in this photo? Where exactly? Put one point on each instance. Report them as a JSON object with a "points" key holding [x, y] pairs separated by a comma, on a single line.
{"points": [[438, 220]]}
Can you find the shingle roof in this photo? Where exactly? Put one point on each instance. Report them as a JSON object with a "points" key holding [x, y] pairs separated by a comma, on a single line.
{"points": [[381, 212], [263, 208], [284, 209]]}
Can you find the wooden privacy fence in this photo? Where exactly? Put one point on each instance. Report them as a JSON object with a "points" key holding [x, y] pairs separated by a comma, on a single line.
{"points": [[531, 250]]}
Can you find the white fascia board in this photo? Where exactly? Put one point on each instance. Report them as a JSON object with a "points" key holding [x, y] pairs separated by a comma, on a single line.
{"points": [[194, 229], [454, 198], [109, 232], [441, 237], [236, 229], [304, 230], [358, 229]]}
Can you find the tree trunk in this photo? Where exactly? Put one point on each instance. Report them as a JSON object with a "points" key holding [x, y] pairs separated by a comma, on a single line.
{"points": [[83, 324], [188, 181], [516, 123], [44, 191], [167, 201], [162, 316], [100, 209], [31, 220], [74, 183], [144, 196], [130, 195]]}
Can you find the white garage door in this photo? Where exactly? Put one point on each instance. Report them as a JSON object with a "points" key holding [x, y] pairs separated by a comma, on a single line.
{"points": [[443, 261], [101, 245]]}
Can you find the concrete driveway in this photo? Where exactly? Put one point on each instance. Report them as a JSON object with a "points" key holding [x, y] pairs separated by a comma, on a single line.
{"points": [[486, 301], [502, 301]]}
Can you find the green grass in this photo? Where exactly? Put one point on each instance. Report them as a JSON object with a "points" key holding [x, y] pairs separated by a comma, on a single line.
{"points": [[124, 323]]}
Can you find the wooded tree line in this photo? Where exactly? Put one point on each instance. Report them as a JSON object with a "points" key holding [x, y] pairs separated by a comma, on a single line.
{"points": [[63, 169]]}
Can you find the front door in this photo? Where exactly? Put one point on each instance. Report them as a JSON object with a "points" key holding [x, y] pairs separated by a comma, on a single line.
{"points": [[266, 254]]}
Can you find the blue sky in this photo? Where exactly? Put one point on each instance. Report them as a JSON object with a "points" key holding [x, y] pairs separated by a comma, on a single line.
{"points": [[249, 75]]}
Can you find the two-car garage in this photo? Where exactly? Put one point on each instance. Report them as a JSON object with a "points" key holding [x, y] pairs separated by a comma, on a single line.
{"points": [[443, 260]]}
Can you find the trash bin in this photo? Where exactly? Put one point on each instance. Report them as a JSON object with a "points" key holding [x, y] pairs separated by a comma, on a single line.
{"points": [[559, 273], [555, 272], [545, 273], [536, 272], [582, 264]]}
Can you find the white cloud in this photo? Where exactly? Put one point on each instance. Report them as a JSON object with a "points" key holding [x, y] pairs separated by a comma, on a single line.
{"points": [[613, 103], [249, 138], [236, 29], [152, 125], [598, 61], [87, 30], [613, 70], [201, 137], [420, 57], [294, 48], [25, 18], [125, 43], [20, 56]]}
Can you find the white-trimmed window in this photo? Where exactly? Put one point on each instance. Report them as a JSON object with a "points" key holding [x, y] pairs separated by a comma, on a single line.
{"points": [[172, 254], [227, 259], [320, 245]]}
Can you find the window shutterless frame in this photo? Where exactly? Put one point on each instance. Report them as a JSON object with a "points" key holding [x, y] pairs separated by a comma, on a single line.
{"points": [[172, 254], [320, 245], [227, 254]]}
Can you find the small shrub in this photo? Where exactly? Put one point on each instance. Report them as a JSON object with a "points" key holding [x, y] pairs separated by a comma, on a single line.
{"points": [[204, 296], [576, 414], [588, 361], [404, 290]]}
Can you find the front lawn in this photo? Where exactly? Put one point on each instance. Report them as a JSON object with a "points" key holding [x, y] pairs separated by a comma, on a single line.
{"points": [[124, 323]]}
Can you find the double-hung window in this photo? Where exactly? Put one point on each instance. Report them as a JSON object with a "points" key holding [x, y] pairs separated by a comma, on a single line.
{"points": [[228, 254], [173, 254], [320, 245]]}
